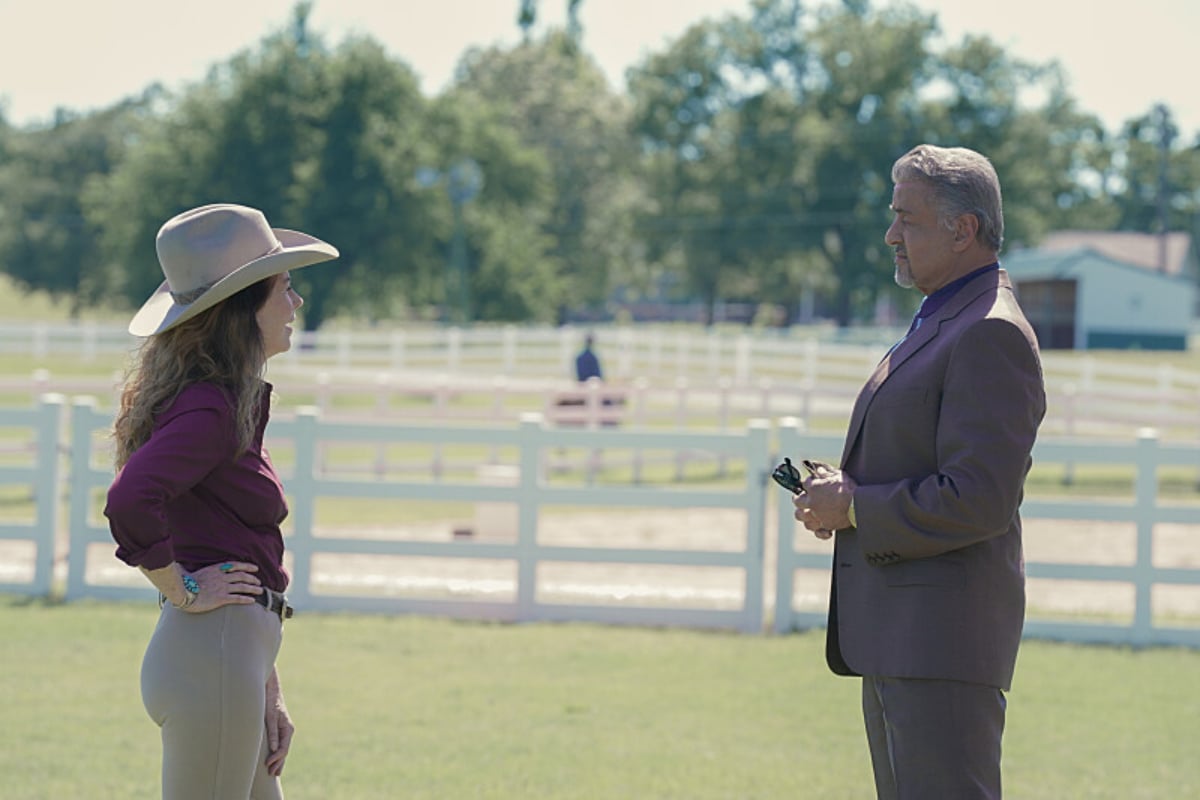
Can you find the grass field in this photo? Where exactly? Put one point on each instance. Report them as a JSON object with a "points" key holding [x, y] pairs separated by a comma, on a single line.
{"points": [[406, 707]]}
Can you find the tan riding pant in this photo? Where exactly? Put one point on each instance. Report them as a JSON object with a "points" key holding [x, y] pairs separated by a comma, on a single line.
{"points": [[204, 680]]}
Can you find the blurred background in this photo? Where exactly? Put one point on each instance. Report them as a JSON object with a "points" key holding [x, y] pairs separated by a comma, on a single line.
{"points": [[602, 161]]}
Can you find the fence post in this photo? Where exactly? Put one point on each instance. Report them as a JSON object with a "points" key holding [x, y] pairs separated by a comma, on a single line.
{"points": [[397, 349], [41, 382], [46, 490], [1145, 500], [82, 413], [303, 490], [532, 437], [499, 397], [681, 403], [39, 342], [1070, 400], [383, 402], [641, 388], [723, 391], [656, 352], [453, 349], [785, 573], [742, 367], [88, 335], [757, 463], [681, 353], [811, 362]]}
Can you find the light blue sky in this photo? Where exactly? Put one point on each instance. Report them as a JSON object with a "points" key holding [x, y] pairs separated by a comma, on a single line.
{"points": [[1120, 58]]}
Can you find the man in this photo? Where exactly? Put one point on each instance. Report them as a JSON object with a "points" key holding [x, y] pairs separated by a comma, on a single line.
{"points": [[928, 593], [587, 365]]}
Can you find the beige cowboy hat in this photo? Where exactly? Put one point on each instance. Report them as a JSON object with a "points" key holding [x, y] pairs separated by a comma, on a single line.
{"points": [[210, 253]]}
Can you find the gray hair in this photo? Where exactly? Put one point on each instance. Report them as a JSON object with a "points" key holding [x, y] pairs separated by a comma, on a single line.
{"points": [[964, 182]]}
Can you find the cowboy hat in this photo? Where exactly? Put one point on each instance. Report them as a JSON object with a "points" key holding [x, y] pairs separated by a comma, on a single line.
{"points": [[210, 253]]}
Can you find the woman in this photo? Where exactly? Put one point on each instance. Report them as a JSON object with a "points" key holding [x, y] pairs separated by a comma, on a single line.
{"points": [[196, 504]]}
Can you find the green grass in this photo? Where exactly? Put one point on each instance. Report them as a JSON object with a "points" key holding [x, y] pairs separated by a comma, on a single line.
{"points": [[410, 707]]}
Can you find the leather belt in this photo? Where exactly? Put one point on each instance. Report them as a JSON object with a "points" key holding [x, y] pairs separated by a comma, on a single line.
{"points": [[275, 602], [271, 600]]}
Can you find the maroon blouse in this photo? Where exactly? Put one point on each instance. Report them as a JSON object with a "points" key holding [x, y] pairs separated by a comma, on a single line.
{"points": [[183, 496]]}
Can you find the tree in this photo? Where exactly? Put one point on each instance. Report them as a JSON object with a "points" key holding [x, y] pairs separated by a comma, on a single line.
{"points": [[770, 140], [982, 106], [556, 100], [356, 186], [527, 17], [1155, 182], [511, 274], [46, 241], [323, 142]]}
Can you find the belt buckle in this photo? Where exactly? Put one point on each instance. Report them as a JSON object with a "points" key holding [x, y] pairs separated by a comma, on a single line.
{"points": [[277, 604]]}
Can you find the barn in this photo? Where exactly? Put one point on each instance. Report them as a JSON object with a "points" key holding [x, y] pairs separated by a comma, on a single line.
{"points": [[1084, 299]]}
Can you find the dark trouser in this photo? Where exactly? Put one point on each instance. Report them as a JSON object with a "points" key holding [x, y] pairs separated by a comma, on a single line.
{"points": [[204, 679], [934, 740]]}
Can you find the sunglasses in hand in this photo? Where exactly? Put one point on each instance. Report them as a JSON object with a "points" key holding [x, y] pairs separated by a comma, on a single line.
{"points": [[787, 476]]}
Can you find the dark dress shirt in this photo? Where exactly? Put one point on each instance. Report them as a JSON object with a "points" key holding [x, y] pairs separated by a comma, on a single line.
{"points": [[935, 301], [183, 496]]}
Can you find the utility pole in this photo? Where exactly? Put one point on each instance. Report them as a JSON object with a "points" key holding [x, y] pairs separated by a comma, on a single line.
{"points": [[1166, 132], [462, 182]]}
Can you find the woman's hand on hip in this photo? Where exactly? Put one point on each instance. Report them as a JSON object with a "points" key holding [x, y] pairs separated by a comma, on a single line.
{"points": [[231, 582]]}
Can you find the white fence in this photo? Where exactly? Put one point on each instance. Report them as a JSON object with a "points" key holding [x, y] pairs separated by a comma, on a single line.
{"points": [[712, 380], [1142, 573], [531, 567], [626, 353]]}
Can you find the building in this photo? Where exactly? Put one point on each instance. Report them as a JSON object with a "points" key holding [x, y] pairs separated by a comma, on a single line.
{"points": [[1084, 298], [1172, 254]]}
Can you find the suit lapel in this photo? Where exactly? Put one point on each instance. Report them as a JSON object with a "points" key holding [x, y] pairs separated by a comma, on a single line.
{"points": [[911, 344]]}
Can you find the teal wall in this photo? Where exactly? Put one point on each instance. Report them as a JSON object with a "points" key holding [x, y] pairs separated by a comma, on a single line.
{"points": [[1133, 340]]}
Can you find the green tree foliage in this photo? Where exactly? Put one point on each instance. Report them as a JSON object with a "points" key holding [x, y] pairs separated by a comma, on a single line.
{"points": [[324, 142], [771, 141], [356, 186], [748, 160], [1156, 182], [511, 274], [557, 101], [46, 241]]}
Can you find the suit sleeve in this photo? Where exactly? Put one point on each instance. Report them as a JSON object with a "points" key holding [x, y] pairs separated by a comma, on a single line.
{"points": [[992, 402], [187, 446]]}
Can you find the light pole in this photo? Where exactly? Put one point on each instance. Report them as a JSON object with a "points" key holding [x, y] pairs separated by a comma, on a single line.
{"points": [[463, 181]]}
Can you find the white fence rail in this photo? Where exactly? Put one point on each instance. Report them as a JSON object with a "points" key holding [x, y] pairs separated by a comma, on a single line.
{"points": [[38, 437], [1143, 573], [714, 558], [712, 380], [518, 560]]}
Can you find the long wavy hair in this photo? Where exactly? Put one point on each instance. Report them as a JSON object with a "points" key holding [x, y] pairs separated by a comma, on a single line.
{"points": [[222, 345]]}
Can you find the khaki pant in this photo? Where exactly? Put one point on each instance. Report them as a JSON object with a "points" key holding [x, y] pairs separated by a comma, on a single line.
{"points": [[204, 680]]}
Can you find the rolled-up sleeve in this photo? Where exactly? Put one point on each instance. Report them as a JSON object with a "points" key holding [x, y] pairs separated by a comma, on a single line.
{"points": [[190, 440]]}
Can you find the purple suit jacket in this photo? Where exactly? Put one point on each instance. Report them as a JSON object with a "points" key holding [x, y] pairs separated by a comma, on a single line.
{"points": [[931, 582]]}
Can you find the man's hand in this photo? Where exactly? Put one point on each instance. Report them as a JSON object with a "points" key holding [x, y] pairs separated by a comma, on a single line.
{"points": [[825, 504]]}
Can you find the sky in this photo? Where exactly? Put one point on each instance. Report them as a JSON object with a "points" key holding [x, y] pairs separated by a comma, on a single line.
{"points": [[1120, 58]]}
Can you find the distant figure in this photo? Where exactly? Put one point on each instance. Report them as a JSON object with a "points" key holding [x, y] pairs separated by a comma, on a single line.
{"points": [[587, 365]]}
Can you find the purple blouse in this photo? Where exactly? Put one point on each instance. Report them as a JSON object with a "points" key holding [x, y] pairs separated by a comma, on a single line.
{"points": [[182, 496]]}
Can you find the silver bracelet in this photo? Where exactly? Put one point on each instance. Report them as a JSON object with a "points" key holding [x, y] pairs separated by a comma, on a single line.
{"points": [[191, 591]]}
